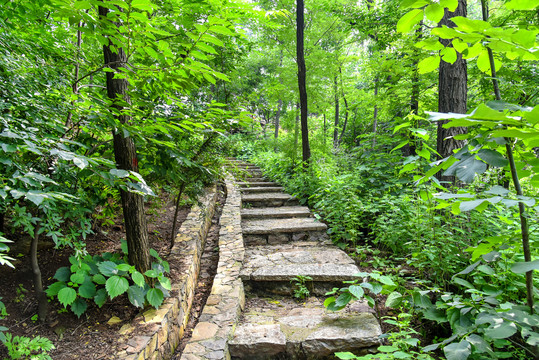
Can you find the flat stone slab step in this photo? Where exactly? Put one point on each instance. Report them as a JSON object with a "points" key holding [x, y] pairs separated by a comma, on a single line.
{"points": [[269, 199], [257, 184], [269, 268], [272, 226], [284, 329], [275, 212], [261, 189]]}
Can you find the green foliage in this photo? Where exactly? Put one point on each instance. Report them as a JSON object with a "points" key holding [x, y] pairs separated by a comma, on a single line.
{"points": [[300, 288], [96, 278], [22, 347]]}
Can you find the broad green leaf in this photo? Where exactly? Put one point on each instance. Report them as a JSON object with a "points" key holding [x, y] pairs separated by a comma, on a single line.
{"points": [[343, 300], [356, 290], [54, 288], [413, 4], [466, 169], [138, 278], [345, 355], [387, 349], [99, 279], [116, 285], [429, 64], [87, 290], [142, 5], [501, 330], [218, 29], [79, 307], [434, 12], [155, 297], [497, 190], [100, 297], [36, 197], [165, 283], [458, 351], [469, 25], [66, 296], [123, 267], [522, 4], [523, 267], [451, 5], [136, 295], [62, 274], [119, 173], [78, 277], [463, 282], [492, 158], [394, 299], [150, 51], [449, 55], [479, 344], [151, 273], [107, 268], [409, 20], [470, 205]]}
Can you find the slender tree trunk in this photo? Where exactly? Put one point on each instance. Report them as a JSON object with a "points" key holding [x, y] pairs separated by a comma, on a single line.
{"points": [[452, 92], [77, 71], [336, 127], [126, 159], [296, 135], [277, 119], [2, 220], [414, 97], [302, 75], [41, 296], [375, 113], [325, 128]]}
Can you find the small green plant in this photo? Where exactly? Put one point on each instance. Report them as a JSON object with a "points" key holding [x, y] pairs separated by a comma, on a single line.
{"points": [[109, 275], [299, 282], [22, 347], [21, 294], [402, 343]]}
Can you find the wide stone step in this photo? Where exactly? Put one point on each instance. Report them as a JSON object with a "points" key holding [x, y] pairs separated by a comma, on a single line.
{"points": [[244, 184], [261, 189], [285, 329], [274, 226], [270, 268], [276, 212], [254, 179], [268, 199]]}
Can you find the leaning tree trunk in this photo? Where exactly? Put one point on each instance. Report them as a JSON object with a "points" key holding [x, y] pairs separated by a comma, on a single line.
{"points": [[336, 127], [452, 93], [302, 74], [126, 159], [41, 296]]}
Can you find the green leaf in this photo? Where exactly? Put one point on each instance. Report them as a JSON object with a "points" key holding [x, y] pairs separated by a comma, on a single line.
{"points": [[123, 267], [501, 330], [138, 278], [155, 297], [165, 282], [387, 349], [343, 300], [119, 173], [409, 20], [522, 4], [36, 197], [54, 288], [470, 205], [142, 5], [100, 297], [434, 12], [62, 274], [394, 299], [136, 295], [79, 307], [429, 64], [492, 158], [357, 291], [451, 5], [151, 273], [463, 282], [99, 279], [66, 296], [87, 290], [78, 277], [449, 55], [116, 285], [107, 268], [466, 169], [345, 355], [458, 351], [524, 267]]}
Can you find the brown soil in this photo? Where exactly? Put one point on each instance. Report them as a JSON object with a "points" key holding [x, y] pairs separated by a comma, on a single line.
{"points": [[90, 336]]}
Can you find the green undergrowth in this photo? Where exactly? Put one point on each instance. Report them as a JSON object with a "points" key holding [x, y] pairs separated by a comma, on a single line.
{"points": [[454, 277]]}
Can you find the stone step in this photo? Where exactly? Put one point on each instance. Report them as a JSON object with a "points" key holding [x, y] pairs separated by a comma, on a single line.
{"points": [[276, 212], [270, 268], [285, 329], [244, 184], [268, 199], [255, 179], [277, 226], [261, 189]]}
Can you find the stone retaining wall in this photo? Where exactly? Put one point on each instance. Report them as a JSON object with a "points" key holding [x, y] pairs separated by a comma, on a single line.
{"points": [[164, 327], [227, 300]]}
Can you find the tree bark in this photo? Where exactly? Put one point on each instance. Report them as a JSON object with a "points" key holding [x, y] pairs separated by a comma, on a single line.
{"points": [[125, 155], [452, 92], [345, 108], [336, 127], [302, 75], [41, 296], [375, 112]]}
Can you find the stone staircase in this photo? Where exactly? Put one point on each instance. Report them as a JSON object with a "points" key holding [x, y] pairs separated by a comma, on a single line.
{"points": [[283, 242]]}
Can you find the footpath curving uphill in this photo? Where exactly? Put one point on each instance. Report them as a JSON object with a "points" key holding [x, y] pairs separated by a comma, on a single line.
{"points": [[284, 244]]}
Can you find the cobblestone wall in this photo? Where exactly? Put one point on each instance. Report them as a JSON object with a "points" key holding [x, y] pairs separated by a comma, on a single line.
{"points": [[163, 328], [227, 299]]}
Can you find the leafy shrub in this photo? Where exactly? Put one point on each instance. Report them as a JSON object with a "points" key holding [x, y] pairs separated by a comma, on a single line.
{"points": [[109, 275], [23, 347]]}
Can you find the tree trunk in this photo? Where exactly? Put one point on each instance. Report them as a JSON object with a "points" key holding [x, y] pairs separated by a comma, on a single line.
{"points": [[126, 159], [375, 113], [410, 148], [41, 296], [345, 109], [277, 119], [452, 92], [296, 135], [302, 75], [336, 128]]}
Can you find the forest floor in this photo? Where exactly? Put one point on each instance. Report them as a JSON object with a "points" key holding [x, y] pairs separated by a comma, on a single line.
{"points": [[93, 335]]}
